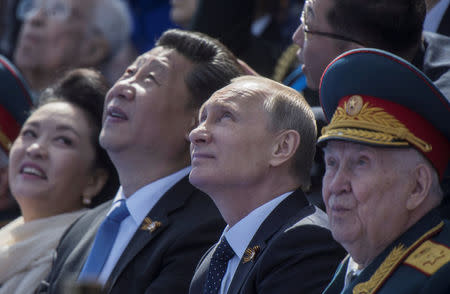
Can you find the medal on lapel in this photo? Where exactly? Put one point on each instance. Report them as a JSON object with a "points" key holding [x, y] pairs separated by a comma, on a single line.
{"points": [[149, 225], [250, 254]]}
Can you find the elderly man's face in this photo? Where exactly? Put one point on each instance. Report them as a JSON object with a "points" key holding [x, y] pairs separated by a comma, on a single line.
{"points": [[365, 191], [317, 51], [232, 144], [53, 35], [147, 108]]}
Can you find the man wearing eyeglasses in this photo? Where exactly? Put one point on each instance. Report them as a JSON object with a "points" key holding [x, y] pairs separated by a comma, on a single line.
{"points": [[331, 27], [57, 35]]}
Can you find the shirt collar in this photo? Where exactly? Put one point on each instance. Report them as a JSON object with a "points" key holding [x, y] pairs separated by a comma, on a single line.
{"points": [[240, 235], [144, 199]]}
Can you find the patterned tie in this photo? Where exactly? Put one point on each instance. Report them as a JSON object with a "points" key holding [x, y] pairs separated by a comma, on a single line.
{"points": [[103, 242], [218, 267]]}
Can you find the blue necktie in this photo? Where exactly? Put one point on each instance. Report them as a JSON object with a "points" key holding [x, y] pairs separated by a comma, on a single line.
{"points": [[103, 242], [218, 267]]}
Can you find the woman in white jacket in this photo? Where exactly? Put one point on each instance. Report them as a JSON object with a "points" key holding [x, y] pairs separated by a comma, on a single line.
{"points": [[56, 170]]}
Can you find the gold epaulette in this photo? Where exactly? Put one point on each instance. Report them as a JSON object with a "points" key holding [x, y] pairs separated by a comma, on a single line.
{"points": [[429, 257], [388, 266], [287, 58]]}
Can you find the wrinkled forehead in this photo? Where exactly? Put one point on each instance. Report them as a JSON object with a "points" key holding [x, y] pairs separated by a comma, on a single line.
{"points": [[159, 56], [166, 63], [342, 145], [237, 93]]}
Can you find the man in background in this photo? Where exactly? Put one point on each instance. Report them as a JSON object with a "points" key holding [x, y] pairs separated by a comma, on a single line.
{"points": [[386, 149]]}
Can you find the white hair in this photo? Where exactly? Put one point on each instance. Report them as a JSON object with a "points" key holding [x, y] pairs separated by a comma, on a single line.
{"points": [[113, 19]]}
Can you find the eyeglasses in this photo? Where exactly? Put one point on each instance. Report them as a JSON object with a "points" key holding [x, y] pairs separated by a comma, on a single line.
{"points": [[54, 9], [329, 35]]}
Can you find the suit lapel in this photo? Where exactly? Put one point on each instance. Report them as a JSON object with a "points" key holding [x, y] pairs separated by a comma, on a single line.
{"points": [[160, 213], [201, 272], [444, 26], [278, 218], [87, 240]]}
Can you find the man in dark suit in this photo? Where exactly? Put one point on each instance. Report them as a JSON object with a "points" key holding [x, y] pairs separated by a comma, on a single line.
{"points": [[252, 154], [386, 149], [167, 224]]}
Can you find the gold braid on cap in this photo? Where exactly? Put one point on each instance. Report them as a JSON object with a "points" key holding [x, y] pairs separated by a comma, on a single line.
{"points": [[372, 125]]}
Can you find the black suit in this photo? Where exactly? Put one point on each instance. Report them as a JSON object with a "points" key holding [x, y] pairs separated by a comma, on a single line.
{"points": [[297, 253], [162, 261]]}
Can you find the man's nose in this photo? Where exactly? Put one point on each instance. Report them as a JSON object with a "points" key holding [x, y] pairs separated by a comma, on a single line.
{"points": [[200, 135]]}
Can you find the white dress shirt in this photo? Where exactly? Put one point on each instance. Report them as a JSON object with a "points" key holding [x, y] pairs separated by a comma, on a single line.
{"points": [[240, 235], [353, 270], [139, 205]]}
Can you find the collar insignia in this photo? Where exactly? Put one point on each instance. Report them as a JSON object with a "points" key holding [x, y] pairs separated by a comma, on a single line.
{"points": [[250, 254], [149, 225]]}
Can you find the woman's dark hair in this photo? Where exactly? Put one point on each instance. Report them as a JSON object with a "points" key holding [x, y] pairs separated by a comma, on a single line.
{"points": [[86, 89]]}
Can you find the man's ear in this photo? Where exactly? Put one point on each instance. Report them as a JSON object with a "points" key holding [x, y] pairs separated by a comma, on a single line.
{"points": [[95, 184], [422, 180], [94, 51], [285, 146]]}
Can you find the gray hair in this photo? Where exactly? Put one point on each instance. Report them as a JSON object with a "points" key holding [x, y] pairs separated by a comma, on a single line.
{"points": [[113, 19], [288, 110]]}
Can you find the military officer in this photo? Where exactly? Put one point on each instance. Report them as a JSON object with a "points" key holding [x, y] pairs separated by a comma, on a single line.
{"points": [[386, 150]]}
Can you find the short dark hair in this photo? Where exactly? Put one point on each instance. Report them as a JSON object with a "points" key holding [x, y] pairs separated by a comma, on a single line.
{"points": [[214, 65], [394, 26], [86, 89]]}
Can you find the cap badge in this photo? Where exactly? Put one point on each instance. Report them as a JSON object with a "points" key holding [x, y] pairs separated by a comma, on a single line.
{"points": [[251, 253], [354, 105], [149, 225]]}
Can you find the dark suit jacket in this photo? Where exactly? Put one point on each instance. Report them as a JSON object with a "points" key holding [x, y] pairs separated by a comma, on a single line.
{"points": [[162, 261], [297, 253], [444, 24], [408, 271]]}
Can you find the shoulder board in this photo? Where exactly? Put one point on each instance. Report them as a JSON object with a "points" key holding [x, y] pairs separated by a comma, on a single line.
{"points": [[429, 257]]}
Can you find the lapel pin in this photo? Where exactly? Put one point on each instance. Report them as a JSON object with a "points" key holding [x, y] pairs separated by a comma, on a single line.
{"points": [[250, 254], [149, 225]]}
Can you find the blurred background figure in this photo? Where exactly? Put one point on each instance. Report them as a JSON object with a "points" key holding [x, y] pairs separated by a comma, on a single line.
{"points": [[9, 27], [150, 19], [15, 103], [59, 35], [182, 12], [57, 168], [256, 31]]}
